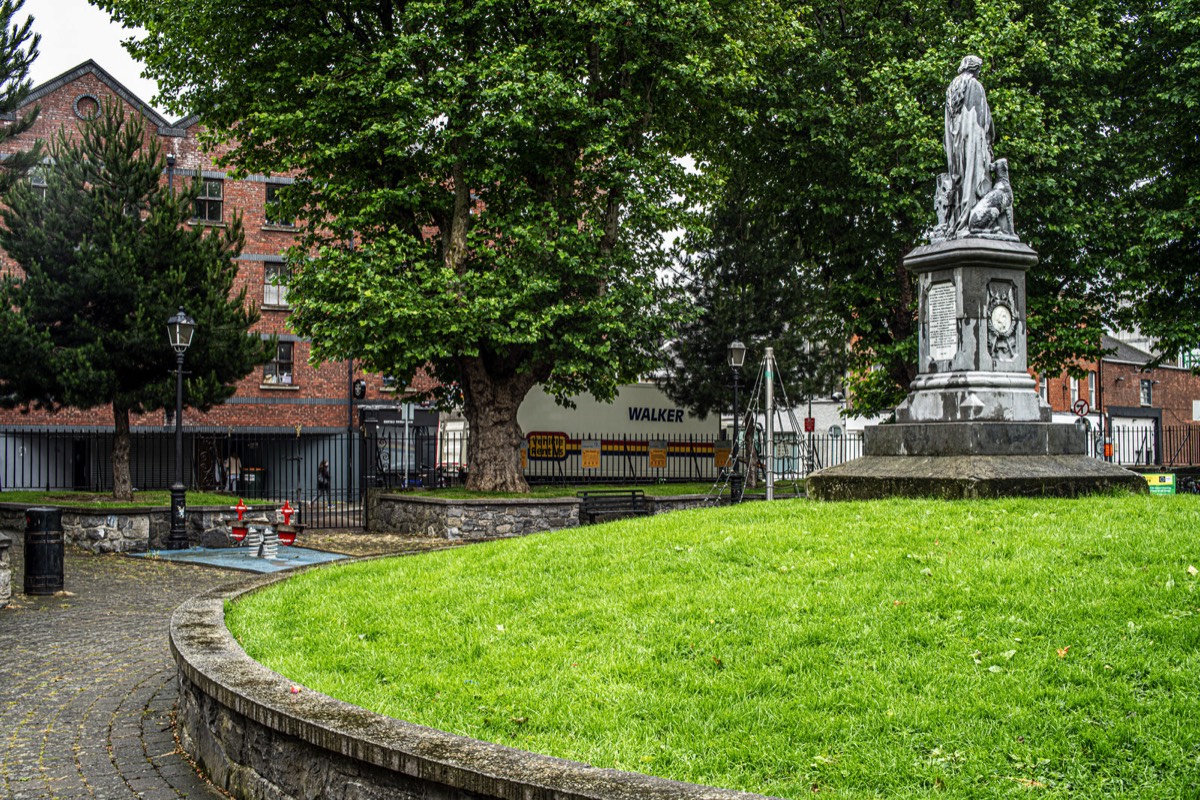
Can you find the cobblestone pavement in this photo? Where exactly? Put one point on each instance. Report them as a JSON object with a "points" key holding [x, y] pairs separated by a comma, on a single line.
{"points": [[87, 684]]}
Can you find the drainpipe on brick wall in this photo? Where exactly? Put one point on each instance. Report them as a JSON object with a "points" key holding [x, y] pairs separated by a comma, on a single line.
{"points": [[349, 428]]}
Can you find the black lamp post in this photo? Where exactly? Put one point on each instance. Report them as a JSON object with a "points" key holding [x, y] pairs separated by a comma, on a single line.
{"points": [[737, 357], [180, 328]]}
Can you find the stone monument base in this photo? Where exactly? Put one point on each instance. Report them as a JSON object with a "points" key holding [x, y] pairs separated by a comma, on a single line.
{"points": [[961, 460], [969, 477]]}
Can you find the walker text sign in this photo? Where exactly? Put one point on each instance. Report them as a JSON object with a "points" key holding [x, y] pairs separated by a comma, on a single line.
{"points": [[545, 446], [645, 414]]}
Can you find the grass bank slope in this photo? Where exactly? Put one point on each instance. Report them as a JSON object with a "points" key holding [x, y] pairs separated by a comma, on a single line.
{"points": [[884, 649]]}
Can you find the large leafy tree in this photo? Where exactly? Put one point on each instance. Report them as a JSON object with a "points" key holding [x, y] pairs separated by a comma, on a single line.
{"points": [[486, 181], [1156, 154], [105, 257], [751, 282], [845, 144]]}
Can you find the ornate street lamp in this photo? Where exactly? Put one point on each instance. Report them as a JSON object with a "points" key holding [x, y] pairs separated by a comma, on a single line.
{"points": [[737, 357], [180, 328]]}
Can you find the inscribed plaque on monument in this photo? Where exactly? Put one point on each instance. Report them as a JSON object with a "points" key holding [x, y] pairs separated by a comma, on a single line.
{"points": [[943, 322]]}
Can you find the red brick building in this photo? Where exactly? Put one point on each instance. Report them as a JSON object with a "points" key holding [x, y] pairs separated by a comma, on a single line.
{"points": [[1151, 415], [288, 396]]}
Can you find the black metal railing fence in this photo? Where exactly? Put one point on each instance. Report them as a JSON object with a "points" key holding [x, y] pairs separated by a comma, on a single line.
{"points": [[325, 473]]}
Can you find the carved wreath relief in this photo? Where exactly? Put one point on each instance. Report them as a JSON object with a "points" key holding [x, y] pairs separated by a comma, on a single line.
{"points": [[1001, 321]]}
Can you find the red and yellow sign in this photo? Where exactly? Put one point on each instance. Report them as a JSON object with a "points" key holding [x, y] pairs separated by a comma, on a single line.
{"points": [[546, 446], [658, 454]]}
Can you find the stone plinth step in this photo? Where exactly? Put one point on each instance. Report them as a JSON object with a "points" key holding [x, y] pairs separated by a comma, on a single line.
{"points": [[971, 476]]}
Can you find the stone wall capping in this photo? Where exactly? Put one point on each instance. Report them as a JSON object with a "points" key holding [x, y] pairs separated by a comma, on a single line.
{"points": [[337, 740], [481, 501], [134, 529], [479, 518]]}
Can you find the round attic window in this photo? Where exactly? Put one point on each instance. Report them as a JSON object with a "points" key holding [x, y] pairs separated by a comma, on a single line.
{"points": [[87, 106]]}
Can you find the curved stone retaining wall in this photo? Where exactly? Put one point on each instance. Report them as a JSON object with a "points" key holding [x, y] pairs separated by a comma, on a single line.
{"points": [[418, 515], [130, 530], [256, 738]]}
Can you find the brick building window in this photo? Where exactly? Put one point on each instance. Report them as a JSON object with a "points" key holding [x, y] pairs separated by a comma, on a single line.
{"points": [[1092, 388], [210, 200], [272, 215], [279, 370], [1146, 392], [1044, 389], [1074, 390], [276, 275], [37, 180]]}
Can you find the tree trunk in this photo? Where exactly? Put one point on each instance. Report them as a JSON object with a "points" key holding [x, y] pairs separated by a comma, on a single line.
{"points": [[491, 396], [122, 483]]}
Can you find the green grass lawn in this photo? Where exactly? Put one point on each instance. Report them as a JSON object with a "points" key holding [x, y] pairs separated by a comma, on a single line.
{"points": [[783, 488], [889, 649], [651, 489], [105, 499]]}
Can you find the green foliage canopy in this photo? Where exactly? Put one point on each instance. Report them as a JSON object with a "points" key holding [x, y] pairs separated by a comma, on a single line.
{"points": [[845, 143], [18, 49], [489, 177], [487, 182]]}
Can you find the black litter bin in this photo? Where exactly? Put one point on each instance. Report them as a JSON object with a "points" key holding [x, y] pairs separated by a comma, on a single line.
{"points": [[253, 482], [43, 551]]}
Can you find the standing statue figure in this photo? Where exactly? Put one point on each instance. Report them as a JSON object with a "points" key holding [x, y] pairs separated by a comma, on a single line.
{"points": [[968, 141]]}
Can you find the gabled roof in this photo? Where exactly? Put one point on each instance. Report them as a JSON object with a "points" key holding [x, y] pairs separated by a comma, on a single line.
{"points": [[90, 67], [1116, 350]]}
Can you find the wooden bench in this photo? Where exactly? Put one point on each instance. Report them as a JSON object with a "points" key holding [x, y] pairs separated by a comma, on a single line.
{"points": [[611, 503]]}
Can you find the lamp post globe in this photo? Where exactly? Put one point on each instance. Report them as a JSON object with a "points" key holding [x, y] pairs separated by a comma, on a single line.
{"points": [[180, 328], [737, 357]]}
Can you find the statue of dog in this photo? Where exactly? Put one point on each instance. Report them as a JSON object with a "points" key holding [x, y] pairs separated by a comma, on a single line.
{"points": [[993, 213]]}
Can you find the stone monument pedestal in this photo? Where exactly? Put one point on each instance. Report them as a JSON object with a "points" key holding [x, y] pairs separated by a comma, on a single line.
{"points": [[973, 424]]}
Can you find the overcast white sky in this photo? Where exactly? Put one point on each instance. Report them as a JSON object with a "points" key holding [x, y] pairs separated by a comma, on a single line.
{"points": [[74, 31]]}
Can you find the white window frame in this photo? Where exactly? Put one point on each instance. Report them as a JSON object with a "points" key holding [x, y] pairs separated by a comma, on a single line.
{"points": [[275, 290], [274, 371]]}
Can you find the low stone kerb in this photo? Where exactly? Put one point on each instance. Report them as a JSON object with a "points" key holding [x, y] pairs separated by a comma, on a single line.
{"points": [[334, 749]]}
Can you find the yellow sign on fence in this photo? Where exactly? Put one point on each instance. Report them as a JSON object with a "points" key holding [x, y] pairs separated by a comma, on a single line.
{"points": [[589, 454], [721, 451], [658, 454]]}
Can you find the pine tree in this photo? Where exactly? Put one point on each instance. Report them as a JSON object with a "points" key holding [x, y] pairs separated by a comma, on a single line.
{"points": [[105, 258], [18, 49]]}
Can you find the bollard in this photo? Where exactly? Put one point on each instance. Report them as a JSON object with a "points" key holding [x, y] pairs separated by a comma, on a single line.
{"points": [[43, 551]]}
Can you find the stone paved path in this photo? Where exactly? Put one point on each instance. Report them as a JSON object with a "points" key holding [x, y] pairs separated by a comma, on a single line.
{"points": [[87, 684]]}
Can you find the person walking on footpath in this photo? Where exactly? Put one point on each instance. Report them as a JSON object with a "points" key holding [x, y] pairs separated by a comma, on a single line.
{"points": [[323, 480], [233, 471]]}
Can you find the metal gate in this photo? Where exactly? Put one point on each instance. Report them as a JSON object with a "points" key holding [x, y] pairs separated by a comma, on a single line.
{"points": [[317, 473]]}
